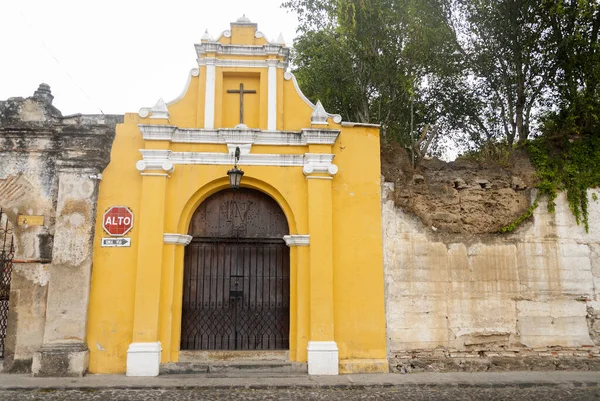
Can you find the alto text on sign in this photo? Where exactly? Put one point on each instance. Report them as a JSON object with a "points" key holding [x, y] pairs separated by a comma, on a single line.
{"points": [[117, 221]]}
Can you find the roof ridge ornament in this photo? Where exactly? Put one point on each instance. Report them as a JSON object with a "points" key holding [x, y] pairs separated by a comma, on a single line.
{"points": [[279, 40], [319, 115], [160, 110], [206, 36], [243, 18]]}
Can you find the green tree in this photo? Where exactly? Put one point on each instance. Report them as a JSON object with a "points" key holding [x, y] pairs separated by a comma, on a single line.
{"points": [[510, 60], [380, 61]]}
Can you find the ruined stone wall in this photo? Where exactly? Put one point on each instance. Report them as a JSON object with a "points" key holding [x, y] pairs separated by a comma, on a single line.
{"points": [[465, 301], [36, 142]]}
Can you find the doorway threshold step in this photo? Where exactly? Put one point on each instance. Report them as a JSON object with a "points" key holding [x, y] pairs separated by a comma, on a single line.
{"points": [[225, 367]]}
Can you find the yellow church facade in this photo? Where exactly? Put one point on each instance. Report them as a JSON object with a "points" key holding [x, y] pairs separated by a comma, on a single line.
{"points": [[291, 261]]}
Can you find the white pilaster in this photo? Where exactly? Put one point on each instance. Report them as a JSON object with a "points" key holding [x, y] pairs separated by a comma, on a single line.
{"points": [[272, 95], [323, 358], [143, 359], [209, 99]]}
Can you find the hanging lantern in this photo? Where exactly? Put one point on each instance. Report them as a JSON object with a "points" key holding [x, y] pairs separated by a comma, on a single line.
{"points": [[235, 174]]}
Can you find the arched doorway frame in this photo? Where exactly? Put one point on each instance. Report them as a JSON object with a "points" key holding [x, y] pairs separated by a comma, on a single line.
{"points": [[184, 221]]}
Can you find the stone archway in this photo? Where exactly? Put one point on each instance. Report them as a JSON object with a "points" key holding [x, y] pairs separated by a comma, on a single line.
{"points": [[236, 285]]}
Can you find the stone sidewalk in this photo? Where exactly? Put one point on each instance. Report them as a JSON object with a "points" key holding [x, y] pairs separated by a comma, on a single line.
{"points": [[262, 381]]}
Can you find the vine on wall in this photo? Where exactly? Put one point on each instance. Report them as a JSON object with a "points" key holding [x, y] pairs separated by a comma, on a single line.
{"points": [[569, 164]]}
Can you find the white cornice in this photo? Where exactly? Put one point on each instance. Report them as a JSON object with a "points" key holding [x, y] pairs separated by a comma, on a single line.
{"points": [[235, 135], [320, 136], [297, 240], [220, 62], [242, 50], [151, 132], [177, 239], [353, 124], [159, 159]]}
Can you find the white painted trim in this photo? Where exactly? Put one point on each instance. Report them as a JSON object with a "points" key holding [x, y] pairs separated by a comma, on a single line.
{"points": [[297, 240], [319, 116], [319, 163], [241, 50], [153, 132], [177, 239], [160, 110], [312, 163], [244, 148], [143, 359], [209, 98], [283, 160], [238, 135], [323, 358], [272, 96], [221, 62], [353, 124], [320, 136]]}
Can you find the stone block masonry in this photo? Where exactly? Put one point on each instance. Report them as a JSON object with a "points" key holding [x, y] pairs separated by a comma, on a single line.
{"points": [[526, 300], [50, 167]]}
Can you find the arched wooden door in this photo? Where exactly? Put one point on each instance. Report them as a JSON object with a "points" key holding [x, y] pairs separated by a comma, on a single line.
{"points": [[236, 288]]}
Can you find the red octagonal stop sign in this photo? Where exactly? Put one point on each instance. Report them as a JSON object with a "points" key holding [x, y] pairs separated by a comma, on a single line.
{"points": [[117, 221]]}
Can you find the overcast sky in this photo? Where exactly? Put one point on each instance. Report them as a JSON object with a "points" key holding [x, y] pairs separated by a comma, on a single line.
{"points": [[116, 55]]}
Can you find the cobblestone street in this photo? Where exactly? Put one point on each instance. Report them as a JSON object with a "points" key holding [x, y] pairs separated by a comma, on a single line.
{"points": [[538, 393]]}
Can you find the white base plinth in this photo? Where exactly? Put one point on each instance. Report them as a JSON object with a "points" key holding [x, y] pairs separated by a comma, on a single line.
{"points": [[143, 359], [323, 358]]}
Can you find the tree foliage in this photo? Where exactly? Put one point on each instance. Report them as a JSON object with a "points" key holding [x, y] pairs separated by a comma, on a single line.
{"points": [[372, 59]]}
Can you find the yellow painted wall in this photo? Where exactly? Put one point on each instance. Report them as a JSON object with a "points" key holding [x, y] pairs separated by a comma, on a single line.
{"points": [[117, 313]]}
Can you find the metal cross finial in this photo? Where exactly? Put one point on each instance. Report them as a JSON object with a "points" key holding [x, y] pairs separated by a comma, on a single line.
{"points": [[241, 91]]}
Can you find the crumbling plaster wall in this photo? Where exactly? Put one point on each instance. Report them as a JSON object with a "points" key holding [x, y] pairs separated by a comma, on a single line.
{"points": [[525, 300], [34, 139]]}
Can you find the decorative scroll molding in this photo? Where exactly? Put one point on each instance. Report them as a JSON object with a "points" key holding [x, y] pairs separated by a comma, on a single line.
{"points": [[319, 163], [159, 110], [297, 240], [157, 161], [238, 135], [177, 239]]}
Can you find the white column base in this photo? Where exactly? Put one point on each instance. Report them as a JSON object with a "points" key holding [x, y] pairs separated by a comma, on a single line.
{"points": [[323, 358], [143, 359]]}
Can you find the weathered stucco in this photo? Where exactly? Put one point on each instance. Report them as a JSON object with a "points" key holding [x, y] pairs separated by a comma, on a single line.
{"points": [[477, 302], [48, 167]]}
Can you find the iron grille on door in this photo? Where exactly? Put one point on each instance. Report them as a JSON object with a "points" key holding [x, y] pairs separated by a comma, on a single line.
{"points": [[236, 295], [7, 250]]}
